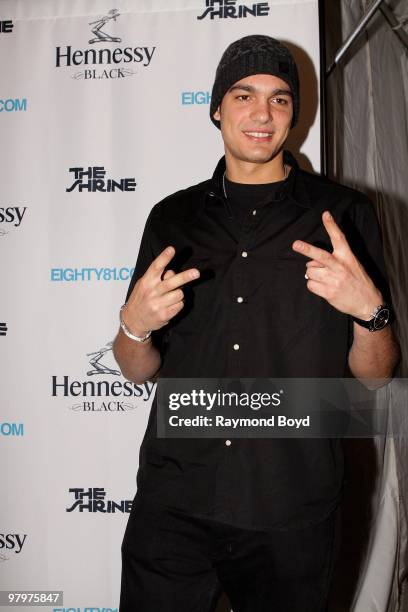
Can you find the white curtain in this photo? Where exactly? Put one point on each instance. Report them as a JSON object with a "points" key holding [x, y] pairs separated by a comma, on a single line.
{"points": [[368, 150]]}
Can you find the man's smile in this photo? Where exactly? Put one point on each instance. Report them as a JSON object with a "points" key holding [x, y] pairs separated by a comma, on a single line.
{"points": [[258, 136]]}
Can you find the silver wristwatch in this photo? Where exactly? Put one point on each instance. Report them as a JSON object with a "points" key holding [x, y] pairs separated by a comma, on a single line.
{"points": [[127, 331]]}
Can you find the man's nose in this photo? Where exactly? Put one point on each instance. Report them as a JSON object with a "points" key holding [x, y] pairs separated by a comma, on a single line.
{"points": [[261, 111]]}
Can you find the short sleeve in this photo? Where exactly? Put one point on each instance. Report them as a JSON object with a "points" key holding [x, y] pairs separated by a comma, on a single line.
{"points": [[145, 257], [363, 234], [365, 240]]}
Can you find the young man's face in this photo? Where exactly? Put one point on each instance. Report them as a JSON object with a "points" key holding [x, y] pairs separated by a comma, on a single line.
{"points": [[255, 116]]}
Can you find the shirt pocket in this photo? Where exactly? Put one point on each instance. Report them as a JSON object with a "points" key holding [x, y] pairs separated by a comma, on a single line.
{"points": [[197, 297], [299, 311]]}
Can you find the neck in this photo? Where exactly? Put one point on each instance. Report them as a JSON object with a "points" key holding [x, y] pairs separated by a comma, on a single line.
{"points": [[239, 171]]}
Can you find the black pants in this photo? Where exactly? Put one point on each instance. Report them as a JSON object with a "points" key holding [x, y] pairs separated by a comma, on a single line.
{"points": [[172, 562]]}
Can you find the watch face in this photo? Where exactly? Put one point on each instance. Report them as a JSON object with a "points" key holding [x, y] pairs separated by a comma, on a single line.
{"points": [[381, 318]]}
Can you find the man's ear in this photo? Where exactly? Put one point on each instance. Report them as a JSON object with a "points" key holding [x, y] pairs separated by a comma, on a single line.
{"points": [[217, 114]]}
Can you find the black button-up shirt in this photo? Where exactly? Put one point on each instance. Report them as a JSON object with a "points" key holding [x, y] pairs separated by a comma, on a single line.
{"points": [[251, 315]]}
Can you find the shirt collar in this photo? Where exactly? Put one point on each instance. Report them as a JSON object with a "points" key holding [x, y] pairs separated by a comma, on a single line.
{"points": [[293, 187]]}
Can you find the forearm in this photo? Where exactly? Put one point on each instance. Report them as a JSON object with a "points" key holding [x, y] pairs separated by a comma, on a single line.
{"points": [[373, 355], [138, 361]]}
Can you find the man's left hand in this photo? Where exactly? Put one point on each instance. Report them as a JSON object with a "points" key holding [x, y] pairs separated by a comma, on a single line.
{"points": [[339, 277]]}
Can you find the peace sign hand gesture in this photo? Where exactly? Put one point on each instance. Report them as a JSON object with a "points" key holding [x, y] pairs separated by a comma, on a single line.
{"points": [[157, 296], [339, 277]]}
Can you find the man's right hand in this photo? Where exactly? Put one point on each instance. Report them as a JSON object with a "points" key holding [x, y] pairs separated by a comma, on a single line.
{"points": [[157, 296]]}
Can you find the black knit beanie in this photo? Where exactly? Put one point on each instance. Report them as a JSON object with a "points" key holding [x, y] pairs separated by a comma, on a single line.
{"points": [[256, 54]]}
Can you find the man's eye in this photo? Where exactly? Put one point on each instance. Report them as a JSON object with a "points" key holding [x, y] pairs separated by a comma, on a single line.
{"points": [[243, 97], [282, 101]]}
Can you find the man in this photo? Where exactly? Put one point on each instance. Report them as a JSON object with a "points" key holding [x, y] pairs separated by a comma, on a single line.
{"points": [[248, 275]]}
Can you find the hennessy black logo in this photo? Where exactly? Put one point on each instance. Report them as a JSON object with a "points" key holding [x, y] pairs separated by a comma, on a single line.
{"points": [[6, 27], [93, 500], [102, 36], [96, 362], [3, 329], [229, 8], [93, 179], [105, 390], [13, 542], [66, 56], [12, 215]]}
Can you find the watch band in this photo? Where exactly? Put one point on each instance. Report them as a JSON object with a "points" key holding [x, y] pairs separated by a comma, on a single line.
{"points": [[127, 331], [379, 319]]}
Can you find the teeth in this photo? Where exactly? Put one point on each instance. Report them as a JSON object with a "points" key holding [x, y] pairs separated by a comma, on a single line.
{"points": [[259, 134]]}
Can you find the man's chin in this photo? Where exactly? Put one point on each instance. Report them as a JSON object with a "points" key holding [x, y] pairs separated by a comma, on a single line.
{"points": [[259, 157]]}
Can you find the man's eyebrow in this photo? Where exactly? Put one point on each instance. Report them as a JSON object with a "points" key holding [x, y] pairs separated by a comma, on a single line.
{"points": [[251, 89]]}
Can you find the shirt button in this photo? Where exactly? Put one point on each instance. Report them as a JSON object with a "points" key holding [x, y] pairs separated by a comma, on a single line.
{"points": [[227, 442], [244, 254], [240, 300], [236, 347], [254, 212]]}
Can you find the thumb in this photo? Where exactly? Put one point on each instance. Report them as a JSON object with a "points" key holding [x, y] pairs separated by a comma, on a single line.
{"points": [[168, 274]]}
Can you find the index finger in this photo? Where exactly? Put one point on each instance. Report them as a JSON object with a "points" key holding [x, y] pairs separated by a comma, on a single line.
{"points": [[337, 237], [179, 279], [157, 266]]}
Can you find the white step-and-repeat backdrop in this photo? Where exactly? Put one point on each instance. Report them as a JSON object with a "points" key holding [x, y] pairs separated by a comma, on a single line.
{"points": [[103, 111]]}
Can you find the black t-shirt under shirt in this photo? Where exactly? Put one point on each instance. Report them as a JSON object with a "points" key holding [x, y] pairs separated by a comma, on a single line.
{"points": [[244, 197]]}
